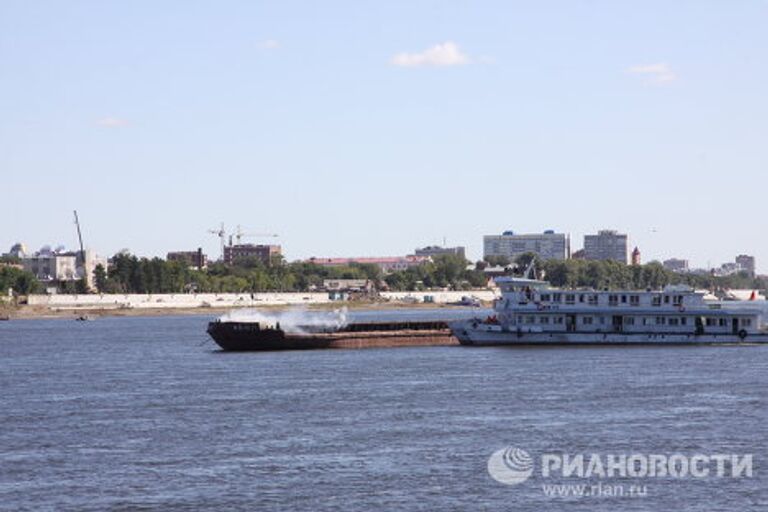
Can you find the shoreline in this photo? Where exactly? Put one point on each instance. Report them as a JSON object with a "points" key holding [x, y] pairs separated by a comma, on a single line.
{"points": [[35, 312]]}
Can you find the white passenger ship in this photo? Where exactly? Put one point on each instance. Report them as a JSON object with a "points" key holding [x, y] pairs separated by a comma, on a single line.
{"points": [[532, 312]]}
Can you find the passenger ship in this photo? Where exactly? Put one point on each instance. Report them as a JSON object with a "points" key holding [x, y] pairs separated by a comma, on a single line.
{"points": [[532, 312]]}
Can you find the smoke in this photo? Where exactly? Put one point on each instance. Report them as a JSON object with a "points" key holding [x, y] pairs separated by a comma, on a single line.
{"points": [[293, 320]]}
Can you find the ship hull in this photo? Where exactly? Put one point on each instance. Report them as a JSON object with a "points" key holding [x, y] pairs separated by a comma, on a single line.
{"points": [[240, 337], [485, 335]]}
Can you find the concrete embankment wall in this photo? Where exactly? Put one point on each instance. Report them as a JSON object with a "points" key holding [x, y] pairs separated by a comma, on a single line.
{"points": [[228, 300]]}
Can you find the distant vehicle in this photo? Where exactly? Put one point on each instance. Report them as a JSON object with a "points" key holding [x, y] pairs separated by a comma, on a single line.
{"points": [[468, 301]]}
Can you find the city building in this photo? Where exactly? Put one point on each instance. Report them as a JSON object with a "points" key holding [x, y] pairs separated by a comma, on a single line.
{"points": [[194, 259], [263, 253], [747, 263], [547, 246], [636, 259], [52, 266], [606, 245], [55, 267], [435, 250], [676, 265], [387, 264]]}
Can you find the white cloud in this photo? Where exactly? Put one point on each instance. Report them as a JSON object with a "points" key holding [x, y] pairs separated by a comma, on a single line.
{"points": [[112, 122], [440, 55], [269, 44], [656, 74]]}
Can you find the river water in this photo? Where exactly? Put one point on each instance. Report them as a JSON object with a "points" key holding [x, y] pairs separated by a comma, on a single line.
{"points": [[146, 414]]}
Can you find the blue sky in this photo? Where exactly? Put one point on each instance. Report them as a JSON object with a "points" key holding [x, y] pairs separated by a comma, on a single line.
{"points": [[371, 128]]}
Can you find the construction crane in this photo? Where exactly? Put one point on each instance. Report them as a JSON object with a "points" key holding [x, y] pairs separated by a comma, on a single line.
{"points": [[222, 234], [239, 235]]}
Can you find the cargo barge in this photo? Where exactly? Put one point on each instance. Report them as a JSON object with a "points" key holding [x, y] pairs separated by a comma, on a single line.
{"points": [[250, 336]]}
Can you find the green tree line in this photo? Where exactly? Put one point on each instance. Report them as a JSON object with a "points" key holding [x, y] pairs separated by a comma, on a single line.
{"points": [[130, 274]]}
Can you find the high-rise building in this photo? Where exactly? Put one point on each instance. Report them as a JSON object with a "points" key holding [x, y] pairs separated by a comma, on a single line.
{"points": [[547, 246], [435, 250], [606, 245], [747, 263]]}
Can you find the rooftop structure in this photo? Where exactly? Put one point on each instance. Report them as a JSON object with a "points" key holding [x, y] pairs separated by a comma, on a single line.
{"points": [[547, 246]]}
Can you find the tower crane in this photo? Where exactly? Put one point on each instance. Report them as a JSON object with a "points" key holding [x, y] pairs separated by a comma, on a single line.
{"points": [[222, 234], [239, 235]]}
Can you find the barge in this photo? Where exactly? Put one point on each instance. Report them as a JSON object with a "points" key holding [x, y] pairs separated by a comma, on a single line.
{"points": [[250, 336]]}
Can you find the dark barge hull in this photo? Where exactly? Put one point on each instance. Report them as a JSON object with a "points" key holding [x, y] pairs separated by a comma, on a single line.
{"points": [[250, 336]]}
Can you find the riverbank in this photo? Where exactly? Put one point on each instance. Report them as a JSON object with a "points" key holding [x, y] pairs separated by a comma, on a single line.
{"points": [[96, 305], [43, 312]]}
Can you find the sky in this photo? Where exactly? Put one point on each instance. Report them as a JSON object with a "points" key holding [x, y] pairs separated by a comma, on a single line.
{"points": [[371, 128]]}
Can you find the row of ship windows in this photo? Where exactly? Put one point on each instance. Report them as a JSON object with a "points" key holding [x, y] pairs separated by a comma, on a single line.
{"points": [[613, 300], [630, 320]]}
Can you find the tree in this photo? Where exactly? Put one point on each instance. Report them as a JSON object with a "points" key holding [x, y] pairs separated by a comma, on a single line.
{"points": [[100, 278]]}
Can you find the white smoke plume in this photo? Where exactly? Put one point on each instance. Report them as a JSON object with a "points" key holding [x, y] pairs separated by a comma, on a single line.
{"points": [[292, 320]]}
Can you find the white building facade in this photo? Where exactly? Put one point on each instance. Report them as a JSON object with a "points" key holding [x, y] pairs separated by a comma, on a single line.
{"points": [[547, 246]]}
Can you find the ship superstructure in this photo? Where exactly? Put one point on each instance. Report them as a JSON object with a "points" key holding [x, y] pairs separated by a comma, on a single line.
{"points": [[532, 312]]}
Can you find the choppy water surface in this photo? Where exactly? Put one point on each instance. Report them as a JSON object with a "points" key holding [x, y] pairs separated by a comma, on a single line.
{"points": [[144, 413]]}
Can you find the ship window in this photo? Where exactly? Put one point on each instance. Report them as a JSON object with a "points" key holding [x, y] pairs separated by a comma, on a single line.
{"points": [[544, 320], [570, 298], [623, 299], [581, 297], [557, 297], [746, 322], [629, 320], [634, 300], [656, 300], [587, 320], [593, 299], [666, 299], [545, 297], [684, 321], [678, 300], [674, 321], [558, 320], [723, 322], [660, 320], [529, 319], [613, 300], [711, 322]]}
